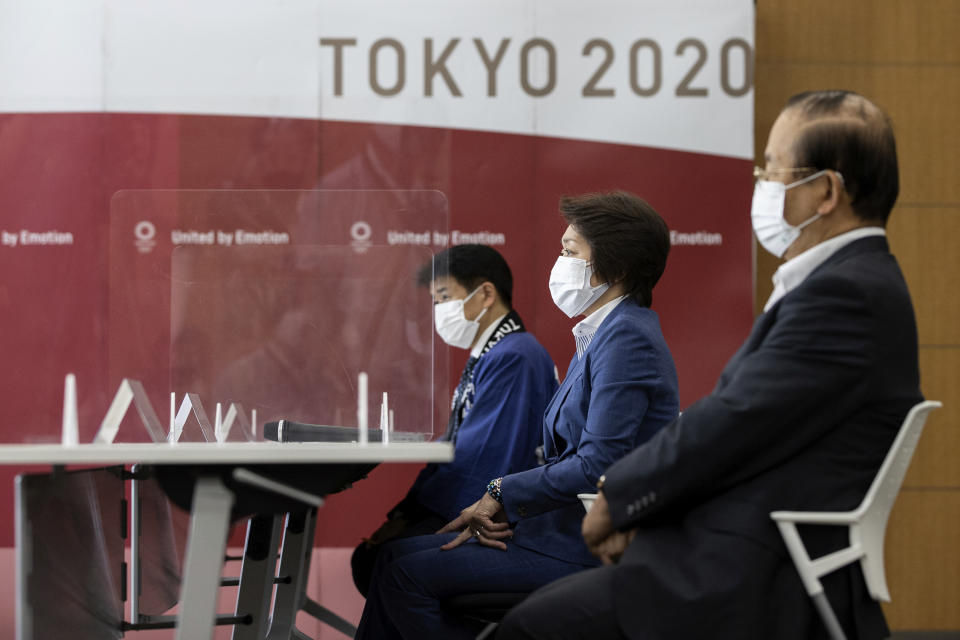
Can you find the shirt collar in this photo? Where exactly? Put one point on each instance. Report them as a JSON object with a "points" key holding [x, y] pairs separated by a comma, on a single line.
{"points": [[794, 271], [584, 330], [482, 342]]}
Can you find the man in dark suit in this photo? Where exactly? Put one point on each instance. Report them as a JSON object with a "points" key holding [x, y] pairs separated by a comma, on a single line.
{"points": [[801, 418]]}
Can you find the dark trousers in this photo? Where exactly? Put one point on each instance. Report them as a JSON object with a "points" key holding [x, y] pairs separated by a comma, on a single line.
{"points": [[413, 576], [576, 607], [364, 557]]}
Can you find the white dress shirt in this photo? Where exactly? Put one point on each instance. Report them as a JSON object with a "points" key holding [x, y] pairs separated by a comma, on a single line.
{"points": [[794, 271], [584, 330]]}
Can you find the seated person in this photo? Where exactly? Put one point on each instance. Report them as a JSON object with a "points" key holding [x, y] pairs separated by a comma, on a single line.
{"points": [[620, 389], [801, 419], [497, 407]]}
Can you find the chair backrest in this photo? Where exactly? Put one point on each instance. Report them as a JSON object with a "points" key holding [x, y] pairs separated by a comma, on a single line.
{"points": [[886, 485], [867, 524]]}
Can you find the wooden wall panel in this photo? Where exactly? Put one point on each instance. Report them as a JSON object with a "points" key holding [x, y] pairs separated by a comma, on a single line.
{"points": [[864, 32], [922, 558], [936, 463], [924, 240]]}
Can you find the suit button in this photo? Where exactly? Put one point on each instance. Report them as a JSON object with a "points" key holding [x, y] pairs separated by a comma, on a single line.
{"points": [[630, 509], [522, 511]]}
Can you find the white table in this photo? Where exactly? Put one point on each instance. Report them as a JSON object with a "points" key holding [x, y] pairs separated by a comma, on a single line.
{"points": [[225, 453], [212, 501]]}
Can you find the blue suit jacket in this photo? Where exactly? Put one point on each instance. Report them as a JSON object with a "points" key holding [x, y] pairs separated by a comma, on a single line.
{"points": [[801, 419], [622, 391], [513, 383]]}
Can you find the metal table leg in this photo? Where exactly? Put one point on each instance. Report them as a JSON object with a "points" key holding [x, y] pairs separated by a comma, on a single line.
{"points": [[206, 545]]}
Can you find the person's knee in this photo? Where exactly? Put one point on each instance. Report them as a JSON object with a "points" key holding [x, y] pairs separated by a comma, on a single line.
{"points": [[405, 575], [361, 566]]}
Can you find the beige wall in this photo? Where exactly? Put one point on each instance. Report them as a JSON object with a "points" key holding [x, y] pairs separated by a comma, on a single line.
{"points": [[904, 54]]}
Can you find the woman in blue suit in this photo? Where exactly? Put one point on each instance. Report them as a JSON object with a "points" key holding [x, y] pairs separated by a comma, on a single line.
{"points": [[620, 388]]}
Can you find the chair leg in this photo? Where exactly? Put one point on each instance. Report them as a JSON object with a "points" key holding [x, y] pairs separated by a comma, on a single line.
{"points": [[294, 565], [209, 525], [324, 615], [828, 617], [312, 608], [256, 576]]}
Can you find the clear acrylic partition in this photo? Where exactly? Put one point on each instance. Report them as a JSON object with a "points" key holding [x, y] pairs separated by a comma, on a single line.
{"points": [[158, 545], [70, 584], [275, 302]]}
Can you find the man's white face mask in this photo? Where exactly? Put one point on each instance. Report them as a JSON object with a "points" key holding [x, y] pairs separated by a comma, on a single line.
{"points": [[774, 233], [452, 325], [570, 285]]}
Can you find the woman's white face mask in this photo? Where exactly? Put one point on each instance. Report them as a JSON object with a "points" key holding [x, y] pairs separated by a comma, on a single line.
{"points": [[452, 325], [774, 233], [570, 285]]}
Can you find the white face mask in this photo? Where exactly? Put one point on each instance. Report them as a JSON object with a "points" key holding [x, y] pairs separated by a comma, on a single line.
{"points": [[774, 233], [570, 285], [452, 324]]}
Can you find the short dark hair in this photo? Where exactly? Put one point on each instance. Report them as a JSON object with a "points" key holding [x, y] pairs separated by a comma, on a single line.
{"points": [[628, 239], [851, 135], [470, 265]]}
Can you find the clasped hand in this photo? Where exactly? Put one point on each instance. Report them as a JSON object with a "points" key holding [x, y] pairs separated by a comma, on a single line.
{"points": [[484, 520], [602, 539]]}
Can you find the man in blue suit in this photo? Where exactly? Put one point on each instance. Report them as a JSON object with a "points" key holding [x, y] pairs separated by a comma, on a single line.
{"points": [[801, 418], [498, 404]]}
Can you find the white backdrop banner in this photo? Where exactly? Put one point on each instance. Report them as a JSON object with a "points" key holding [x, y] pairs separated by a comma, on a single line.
{"points": [[634, 72]]}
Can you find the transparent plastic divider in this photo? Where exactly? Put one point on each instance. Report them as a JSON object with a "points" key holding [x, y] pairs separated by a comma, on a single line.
{"points": [[289, 330], [276, 301], [70, 554]]}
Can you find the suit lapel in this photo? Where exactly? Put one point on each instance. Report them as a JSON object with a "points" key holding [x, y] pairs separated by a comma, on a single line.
{"points": [[574, 371]]}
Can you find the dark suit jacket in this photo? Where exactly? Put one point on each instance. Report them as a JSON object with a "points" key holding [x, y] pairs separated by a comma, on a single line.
{"points": [[801, 419], [612, 400]]}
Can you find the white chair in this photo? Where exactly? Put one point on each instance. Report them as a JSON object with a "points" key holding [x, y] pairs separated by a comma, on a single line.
{"points": [[867, 523]]}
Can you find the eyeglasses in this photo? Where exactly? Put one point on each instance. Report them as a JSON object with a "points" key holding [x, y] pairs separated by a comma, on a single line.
{"points": [[760, 173]]}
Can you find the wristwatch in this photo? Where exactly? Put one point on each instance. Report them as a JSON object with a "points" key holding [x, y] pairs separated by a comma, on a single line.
{"points": [[601, 481]]}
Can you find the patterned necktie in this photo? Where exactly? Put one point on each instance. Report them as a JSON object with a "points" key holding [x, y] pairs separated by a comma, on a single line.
{"points": [[460, 400]]}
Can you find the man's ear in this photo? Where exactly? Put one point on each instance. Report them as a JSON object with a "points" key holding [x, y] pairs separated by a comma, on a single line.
{"points": [[832, 194], [489, 294]]}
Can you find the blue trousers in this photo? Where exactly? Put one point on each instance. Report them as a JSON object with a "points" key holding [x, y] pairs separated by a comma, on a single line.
{"points": [[413, 576]]}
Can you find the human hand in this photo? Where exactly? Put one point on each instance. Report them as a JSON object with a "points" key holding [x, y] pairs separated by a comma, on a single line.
{"points": [[596, 526], [483, 520], [612, 547]]}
